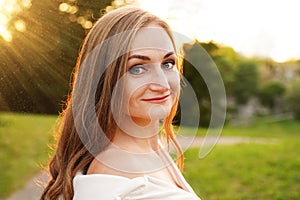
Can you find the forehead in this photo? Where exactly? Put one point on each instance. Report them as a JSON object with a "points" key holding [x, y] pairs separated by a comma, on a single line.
{"points": [[152, 37]]}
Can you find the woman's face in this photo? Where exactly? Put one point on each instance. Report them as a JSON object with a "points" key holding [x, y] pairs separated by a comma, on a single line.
{"points": [[152, 80]]}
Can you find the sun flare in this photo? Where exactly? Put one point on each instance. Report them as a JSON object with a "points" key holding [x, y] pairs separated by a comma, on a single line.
{"points": [[8, 8]]}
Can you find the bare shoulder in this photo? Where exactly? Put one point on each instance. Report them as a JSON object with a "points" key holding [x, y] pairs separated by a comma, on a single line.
{"points": [[111, 163], [99, 166]]}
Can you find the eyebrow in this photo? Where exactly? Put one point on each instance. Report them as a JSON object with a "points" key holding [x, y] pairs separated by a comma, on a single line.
{"points": [[146, 57]]}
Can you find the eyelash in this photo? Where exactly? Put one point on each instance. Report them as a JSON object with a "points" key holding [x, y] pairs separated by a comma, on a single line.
{"points": [[141, 66], [169, 61], [138, 66]]}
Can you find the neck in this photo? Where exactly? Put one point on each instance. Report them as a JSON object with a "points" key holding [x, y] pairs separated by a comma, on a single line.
{"points": [[137, 138]]}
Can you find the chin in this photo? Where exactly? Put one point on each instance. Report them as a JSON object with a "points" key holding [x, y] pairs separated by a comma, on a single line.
{"points": [[159, 112]]}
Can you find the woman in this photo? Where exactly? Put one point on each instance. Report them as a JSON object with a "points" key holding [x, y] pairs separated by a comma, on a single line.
{"points": [[126, 81]]}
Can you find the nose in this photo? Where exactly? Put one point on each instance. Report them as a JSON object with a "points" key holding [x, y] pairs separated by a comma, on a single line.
{"points": [[159, 80]]}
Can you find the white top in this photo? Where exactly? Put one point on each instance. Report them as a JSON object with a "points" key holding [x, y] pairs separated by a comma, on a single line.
{"points": [[147, 187]]}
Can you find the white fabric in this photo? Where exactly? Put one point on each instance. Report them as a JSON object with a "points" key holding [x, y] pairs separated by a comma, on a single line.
{"points": [[112, 187]]}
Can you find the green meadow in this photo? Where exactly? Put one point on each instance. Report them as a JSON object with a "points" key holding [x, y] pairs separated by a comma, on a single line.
{"points": [[246, 171], [269, 170], [24, 140]]}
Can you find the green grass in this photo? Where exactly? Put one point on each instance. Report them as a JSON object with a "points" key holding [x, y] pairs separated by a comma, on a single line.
{"points": [[265, 127], [260, 127], [241, 171], [249, 171], [23, 148]]}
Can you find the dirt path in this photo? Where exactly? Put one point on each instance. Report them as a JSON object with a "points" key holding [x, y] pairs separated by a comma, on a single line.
{"points": [[33, 188]]}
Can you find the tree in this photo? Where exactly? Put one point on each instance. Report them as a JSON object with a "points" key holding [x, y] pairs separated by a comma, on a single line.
{"points": [[36, 65], [293, 98], [200, 71], [270, 93], [246, 80]]}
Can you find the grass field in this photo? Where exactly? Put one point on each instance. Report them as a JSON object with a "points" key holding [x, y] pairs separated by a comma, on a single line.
{"points": [[23, 148], [250, 170], [266, 127], [240, 171]]}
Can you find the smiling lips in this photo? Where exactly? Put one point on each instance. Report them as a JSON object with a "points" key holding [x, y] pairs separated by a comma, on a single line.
{"points": [[157, 99]]}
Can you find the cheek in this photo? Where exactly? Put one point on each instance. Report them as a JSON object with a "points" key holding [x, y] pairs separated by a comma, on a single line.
{"points": [[132, 93], [134, 86], [133, 89], [135, 96], [174, 82]]}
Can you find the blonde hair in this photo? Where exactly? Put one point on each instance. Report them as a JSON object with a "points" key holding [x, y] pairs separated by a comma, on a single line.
{"points": [[72, 154]]}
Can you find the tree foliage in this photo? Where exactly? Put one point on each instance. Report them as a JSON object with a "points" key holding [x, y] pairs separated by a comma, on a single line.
{"points": [[196, 54], [200, 72], [246, 79], [293, 98], [36, 65], [270, 92]]}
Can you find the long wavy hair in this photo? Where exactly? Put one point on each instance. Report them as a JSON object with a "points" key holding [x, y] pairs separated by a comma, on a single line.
{"points": [[75, 151]]}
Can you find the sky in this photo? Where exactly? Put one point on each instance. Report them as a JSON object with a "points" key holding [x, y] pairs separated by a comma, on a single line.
{"points": [[264, 28]]}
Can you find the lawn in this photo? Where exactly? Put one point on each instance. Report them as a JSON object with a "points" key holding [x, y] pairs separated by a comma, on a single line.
{"points": [[250, 170], [240, 171], [23, 148], [265, 127]]}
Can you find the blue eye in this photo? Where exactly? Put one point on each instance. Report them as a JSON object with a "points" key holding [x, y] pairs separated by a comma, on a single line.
{"points": [[169, 64], [137, 69]]}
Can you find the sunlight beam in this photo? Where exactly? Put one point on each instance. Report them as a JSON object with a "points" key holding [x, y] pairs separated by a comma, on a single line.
{"points": [[8, 8]]}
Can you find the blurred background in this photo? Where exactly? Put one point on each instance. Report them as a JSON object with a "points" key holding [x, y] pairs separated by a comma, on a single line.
{"points": [[254, 44]]}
